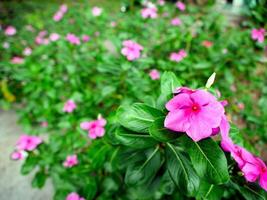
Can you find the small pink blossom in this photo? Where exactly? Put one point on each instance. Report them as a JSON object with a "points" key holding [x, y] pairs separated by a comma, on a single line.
{"points": [[74, 196], [207, 43], [28, 142], [85, 38], [73, 39], [180, 5], [149, 12], [17, 60], [63, 8], [176, 22], [96, 11], [113, 24], [165, 14], [161, 2], [54, 37], [70, 161], [44, 124], [154, 74], [95, 128], [6, 45], [18, 155], [258, 34], [27, 51], [10, 31], [69, 106], [97, 33], [177, 57], [58, 16], [196, 112], [131, 50], [241, 105]]}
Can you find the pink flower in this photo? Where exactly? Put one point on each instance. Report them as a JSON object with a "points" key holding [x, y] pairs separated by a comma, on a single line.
{"points": [[73, 39], [207, 43], [177, 57], [241, 106], [149, 12], [180, 5], [6, 45], [74, 196], [113, 24], [28, 142], [85, 38], [69, 106], [161, 2], [27, 51], [154, 74], [63, 8], [176, 21], [18, 155], [54, 37], [95, 128], [131, 50], [96, 11], [258, 34], [195, 112], [58, 16], [70, 161], [10, 30], [44, 124], [17, 60]]}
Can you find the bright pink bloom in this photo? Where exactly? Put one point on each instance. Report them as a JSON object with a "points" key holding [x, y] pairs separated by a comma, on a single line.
{"points": [[73, 39], [18, 155], [131, 50], [74, 196], [196, 112], [69, 106], [58, 16], [28, 142], [207, 43], [177, 57], [63, 8], [27, 51], [17, 60], [258, 34], [96, 11], [180, 5], [85, 38], [70, 161], [10, 30], [54, 37], [176, 22], [95, 128], [154, 74], [149, 12]]}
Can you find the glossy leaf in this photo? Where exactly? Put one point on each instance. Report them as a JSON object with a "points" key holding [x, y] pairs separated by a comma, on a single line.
{"points": [[209, 191]]}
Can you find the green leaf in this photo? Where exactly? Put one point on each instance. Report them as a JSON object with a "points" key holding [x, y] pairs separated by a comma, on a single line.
{"points": [[29, 165], [133, 139], [160, 133], [39, 179], [208, 160], [143, 172], [137, 117], [209, 191], [181, 171]]}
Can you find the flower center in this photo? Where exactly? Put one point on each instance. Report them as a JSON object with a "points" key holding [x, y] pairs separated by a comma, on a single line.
{"points": [[195, 107]]}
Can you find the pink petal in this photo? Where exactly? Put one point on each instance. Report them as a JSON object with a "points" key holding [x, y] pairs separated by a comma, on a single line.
{"points": [[251, 172], [178, 101], [263, 180], [177, 121], [202, 97]]}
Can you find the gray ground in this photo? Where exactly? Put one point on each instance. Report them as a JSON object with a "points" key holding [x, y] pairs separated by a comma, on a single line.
{"points": [[14, 186]]}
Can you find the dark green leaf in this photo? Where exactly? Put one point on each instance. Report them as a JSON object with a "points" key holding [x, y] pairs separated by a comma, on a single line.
{"points": [[209, 191], [39, 179], [29, 165]]}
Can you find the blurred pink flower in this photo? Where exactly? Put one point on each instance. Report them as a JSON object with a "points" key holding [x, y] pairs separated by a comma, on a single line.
{"points": [[54, 37], [58, 16], [180, 5], [69, 106], [10, 31], [17, 60], [63, 8], [154, 74], [149, 12], [176, 21], [6, 45], [258, 34], [85, 38], [241, 106], [73, 39], [74, 196], [207, 43], [44, 124], [18, 155], [96, 11], [113, 24], [95, 128], [70, 161], [177, 57], [27, 51], [28, 142], [131, 50], [161, 2]]}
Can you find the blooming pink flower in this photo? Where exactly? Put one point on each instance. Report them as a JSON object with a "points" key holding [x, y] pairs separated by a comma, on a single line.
{"points": [[85, 38], [207, 43], [17, 60], [154, 74], [161, 2], [44, 124], [28, 142], [180, 5], [70, 161], [69, 106], [95, 128], [195, 112], [27, 51], [54, 37], [176, 21], [96, 11], [58, 16], [18, 155], [73, 39], [10, 30], [177, 57], [74, 196], [149, 12], [131, 50], [258, 34], [63, 8]]}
